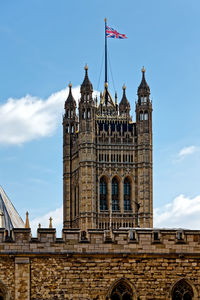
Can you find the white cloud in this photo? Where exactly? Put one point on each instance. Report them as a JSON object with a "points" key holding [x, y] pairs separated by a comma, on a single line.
{"points": [[30, 118], [187, 151], [182, 212], [57, 222]]}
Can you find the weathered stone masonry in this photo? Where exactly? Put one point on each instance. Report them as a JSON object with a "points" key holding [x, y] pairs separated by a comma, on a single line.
{"points": [[150, 261]]}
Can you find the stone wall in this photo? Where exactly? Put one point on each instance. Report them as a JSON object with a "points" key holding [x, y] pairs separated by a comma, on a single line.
{"points": [[79, 266]]}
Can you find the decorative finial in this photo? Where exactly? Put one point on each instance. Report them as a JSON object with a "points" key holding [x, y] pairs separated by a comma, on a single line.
{"points": [[70, 84], [86, 67], [124, 87], [143, 70], [27, 225], [105, 20], [39, 225], [106, 85], [115, 98], [50, 222]]}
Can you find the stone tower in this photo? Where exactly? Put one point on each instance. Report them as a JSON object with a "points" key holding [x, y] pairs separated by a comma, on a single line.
{"points": [[107, 160]]}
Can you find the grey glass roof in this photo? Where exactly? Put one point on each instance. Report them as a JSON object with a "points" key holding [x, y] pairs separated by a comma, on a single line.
{"points": [[11, 218]]}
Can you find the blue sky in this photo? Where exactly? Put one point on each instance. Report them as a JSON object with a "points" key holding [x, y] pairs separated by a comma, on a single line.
{"points": [[45, 44]]}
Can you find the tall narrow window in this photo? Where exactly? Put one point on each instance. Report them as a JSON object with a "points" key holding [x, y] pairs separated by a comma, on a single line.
{"points": [[127, 194], [115, 194], [103, 194], [83, 114], [141, 116], [182, 291], [146, 116], [88, 113]]}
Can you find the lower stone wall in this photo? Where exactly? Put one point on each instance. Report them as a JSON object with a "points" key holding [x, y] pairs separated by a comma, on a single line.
{"points": [[92, 277], [148, 262]]}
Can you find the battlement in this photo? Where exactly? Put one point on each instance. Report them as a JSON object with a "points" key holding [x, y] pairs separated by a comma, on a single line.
{"points": [[126, 241]]}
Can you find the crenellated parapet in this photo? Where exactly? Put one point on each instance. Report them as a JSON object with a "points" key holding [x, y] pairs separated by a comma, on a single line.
{"points": [[130, 241]]}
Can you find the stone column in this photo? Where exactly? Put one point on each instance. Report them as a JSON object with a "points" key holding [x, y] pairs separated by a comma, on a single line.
{"points": [[22, 278]]}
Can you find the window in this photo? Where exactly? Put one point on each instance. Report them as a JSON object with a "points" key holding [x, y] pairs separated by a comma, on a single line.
{"points": [[67, 129], [122, 292], [103, 194], [115, 194], [141, 116], [143, 100], [127, 194], [71, 113], [83, 114], [146, 116], [72, 128], [88, 113], [182, 291]]}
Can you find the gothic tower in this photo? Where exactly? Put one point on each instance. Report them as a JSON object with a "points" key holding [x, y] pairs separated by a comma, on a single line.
{"points": [[107, 160]]}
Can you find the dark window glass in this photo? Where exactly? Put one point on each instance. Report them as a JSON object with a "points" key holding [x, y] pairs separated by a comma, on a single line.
{"points": [[115, 195], [182, 291], [103, 194], [122, 292], [127, 194]]}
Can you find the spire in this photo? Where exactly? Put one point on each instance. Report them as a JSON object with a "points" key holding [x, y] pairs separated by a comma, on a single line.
{"points": [[27, 225], [86, 86], [70, 99], [124, 106], [143, 88]]}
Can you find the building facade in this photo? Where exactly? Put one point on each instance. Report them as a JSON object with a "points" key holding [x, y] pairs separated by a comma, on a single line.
{"points": [[107, 160], [109, 249]]}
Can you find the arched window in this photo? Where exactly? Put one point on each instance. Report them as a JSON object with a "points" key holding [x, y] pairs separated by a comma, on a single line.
{"points": [[146, 116], [72, 128], [141, 116], [103, 194], [127, 194], [122, 291], [115, 194], [67, 128], [88, 113], [83, 114], [182, 291]]}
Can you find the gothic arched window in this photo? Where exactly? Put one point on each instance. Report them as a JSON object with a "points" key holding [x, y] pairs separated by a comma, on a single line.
{"points": [[83, 114], [127, 194], [115, 194], [122, 291], [146, 116], [141, 116], [103, 194], [182, 291], [88, 113]]}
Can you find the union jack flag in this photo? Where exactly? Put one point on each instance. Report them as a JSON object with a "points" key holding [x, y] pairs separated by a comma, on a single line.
{"points": [[112, 33]]}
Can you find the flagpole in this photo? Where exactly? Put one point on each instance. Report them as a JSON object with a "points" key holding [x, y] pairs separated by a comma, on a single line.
{"points": [[106, 80]]}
